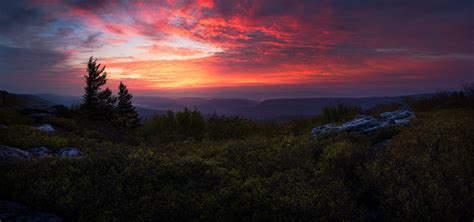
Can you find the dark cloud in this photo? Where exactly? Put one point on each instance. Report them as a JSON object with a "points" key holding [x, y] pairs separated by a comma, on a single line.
{"points": [[15, 15], [24, 70], [24, 61]]}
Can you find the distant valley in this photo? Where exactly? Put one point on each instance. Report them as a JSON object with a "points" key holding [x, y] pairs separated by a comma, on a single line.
{"points": [[271, 109]]}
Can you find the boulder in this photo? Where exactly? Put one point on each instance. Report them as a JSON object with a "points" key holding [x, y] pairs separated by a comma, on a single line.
{"points": [[362, 123], [40, 151], [7, 152], [70, 152], [11, 211], [367, 124], [398, 117], [46, 128]]}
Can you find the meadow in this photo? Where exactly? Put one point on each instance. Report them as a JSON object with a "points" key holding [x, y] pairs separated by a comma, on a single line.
{"points": [[183, 166]]}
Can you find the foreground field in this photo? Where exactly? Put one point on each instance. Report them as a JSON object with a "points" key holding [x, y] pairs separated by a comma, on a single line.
{"points": [[424, 172]]}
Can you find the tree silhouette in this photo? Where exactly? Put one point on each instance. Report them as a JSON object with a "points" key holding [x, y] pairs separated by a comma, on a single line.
{"points": [[99, 103], [128, 117]]}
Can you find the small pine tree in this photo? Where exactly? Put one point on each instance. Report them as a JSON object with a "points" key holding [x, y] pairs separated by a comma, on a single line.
{"points": [[99, 104], [127, 115]]}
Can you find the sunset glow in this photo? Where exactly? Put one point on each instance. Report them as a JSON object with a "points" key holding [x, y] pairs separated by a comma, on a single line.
{"points": [[320, 48]]}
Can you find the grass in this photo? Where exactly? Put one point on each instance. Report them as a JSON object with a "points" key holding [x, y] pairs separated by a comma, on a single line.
{"points": [[270, 174]]}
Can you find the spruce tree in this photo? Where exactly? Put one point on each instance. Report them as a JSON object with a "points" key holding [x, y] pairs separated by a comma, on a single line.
{"points": [[98, 103], [128, 117]]}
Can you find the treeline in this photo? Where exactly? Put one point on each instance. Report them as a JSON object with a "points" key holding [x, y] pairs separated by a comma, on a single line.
{"points": [[101, 105], [191, 124], [463, 98]]}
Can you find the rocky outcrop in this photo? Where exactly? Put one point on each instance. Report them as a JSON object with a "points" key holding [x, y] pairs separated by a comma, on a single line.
{"points": [[70, 152], [40, 151], [398, 117], [367, 124], [10, 211], [7, 152], [46, 128]]}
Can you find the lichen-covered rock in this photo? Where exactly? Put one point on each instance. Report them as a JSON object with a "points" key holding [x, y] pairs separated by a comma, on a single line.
{"points": [[40, 151], [7, 152], [10, 211], [361, 123], [46, 128], [70, 152], [398, 117], [367, 124]]}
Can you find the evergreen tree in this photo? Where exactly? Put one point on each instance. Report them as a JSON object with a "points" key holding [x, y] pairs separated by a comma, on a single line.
{"points": [[128, 117], [99, 103]]}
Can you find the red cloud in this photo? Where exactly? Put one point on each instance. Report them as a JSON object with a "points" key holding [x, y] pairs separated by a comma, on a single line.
{"points": [[277, 42]]}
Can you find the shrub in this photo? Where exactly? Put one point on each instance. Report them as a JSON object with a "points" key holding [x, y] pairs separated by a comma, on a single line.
{"points": [[173, 126], [426, 172], [12, 116], [29, 137], [224, 128], [442, 100], [339, 113], [381, 108]]}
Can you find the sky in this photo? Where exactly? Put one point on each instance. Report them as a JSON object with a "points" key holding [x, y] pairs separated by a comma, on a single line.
{"points": [[239, 48]]}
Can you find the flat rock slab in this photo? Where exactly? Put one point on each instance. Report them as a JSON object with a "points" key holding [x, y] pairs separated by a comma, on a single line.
{"points": [[367, 124], [11, 211], [46, 128], [40, 151], [7, 152], [70, 152]]}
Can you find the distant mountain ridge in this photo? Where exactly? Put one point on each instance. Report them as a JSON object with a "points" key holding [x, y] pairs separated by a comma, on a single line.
{"points": [[282, 109], [11, 99]]}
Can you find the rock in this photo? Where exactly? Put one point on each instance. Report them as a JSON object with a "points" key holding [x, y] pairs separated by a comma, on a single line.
{"points": [[7, 152], [367, 124], [46, 128], [40, 151], [3, 126], [70, 152], [398, 117], [10, 211], [362, 123]]}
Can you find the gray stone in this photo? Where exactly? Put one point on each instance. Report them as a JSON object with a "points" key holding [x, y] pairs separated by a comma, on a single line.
{"points": [[362, 123], [46, 128], [11, 211], [40, 151], [3, 126], [367, 124], [399, 117], [70, 152], [7, 152]]}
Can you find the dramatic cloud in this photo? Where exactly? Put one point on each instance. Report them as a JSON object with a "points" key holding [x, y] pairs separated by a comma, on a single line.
{"points": [[240, 48]]}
